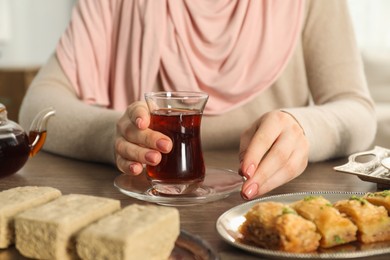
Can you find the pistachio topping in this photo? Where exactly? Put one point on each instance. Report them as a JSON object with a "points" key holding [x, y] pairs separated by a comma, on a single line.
{"points": [[287, 210], [384, 193], [338, 240], [361, 200], [310, 197]]}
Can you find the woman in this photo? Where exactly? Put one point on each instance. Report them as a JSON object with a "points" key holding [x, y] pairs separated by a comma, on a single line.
{"points": [[285, 81]]}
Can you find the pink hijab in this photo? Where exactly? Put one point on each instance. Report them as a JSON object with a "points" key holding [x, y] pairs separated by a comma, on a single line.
{"points": [[113, 51]]}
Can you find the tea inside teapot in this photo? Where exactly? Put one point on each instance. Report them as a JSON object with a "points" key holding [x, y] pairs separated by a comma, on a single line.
{"points": [[15, 145]]}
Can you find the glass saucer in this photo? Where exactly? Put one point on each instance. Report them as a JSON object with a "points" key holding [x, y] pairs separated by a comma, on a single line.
{"points": [[219, 183]]}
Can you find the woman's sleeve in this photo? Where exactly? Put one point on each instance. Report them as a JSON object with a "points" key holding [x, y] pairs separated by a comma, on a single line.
{"points": [[75, 81], [342, 118], [78, 130]]}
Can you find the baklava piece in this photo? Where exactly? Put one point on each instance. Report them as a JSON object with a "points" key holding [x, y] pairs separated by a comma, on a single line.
{"points": [[335, 228], [276, 226], [373, 221], [380, 198]]}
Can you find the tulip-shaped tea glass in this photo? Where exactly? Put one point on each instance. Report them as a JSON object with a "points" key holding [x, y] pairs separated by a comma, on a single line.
{"points": [[177, 115]]}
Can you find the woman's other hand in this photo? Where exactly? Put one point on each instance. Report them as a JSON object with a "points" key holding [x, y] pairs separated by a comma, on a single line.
{"points": [[135, 143], [272, 152]]}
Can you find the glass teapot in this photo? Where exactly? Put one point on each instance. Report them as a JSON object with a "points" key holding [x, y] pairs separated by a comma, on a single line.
{"points": [[16, 145]]}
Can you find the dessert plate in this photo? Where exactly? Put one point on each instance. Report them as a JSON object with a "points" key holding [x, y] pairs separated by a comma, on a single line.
{"points": [[228, 223], [219, 183], [371, 166], [189, 246]]}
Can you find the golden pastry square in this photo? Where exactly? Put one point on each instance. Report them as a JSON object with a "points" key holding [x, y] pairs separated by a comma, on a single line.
{"points": [[373, 221], [335, 229], [380, 198], [276, 226]]}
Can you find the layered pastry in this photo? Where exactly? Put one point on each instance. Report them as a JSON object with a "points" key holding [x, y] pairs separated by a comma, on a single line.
{"points": [[380, 198], [335, 228], [372, 221], [277, 226]]}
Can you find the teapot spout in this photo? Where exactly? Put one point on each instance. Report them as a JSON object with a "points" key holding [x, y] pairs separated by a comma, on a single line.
{"points": [[37, 133]]}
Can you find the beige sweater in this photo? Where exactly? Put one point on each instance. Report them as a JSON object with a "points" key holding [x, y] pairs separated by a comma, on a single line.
{"points": [[323, 87]]}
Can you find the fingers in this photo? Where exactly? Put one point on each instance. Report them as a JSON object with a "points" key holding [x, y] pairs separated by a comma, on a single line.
{"points": [[129, 167], [139, 115], [134, 128], [135, 143], [257, 141], [260, 184], [134, 152], [273, 152]]}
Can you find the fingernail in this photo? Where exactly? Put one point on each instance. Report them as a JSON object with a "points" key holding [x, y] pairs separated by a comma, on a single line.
{"points": [[251, 191], [151, 157], [135, 168], [250, 171], [138, 122], [163, 145]]}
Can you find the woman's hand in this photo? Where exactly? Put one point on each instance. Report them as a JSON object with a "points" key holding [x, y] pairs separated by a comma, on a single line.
{"points": [[272, 152], [135, 143]]}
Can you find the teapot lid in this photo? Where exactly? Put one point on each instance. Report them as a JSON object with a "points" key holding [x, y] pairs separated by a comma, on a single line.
{"points": [[8, 128], [3, 114]]}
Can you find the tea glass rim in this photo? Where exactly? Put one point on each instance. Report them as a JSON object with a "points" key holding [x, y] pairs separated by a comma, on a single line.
{"points": [[176, 94]]}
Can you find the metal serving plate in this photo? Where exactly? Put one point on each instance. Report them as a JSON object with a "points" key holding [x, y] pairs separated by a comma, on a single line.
{"points": [[367, 166], [228, 223]]}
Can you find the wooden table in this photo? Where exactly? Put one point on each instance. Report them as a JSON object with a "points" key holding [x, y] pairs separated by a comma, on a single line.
{"points": [[72, 176]]}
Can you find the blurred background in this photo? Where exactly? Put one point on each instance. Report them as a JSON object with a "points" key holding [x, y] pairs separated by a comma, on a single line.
{"points": [[30, 29], [372, 27]]}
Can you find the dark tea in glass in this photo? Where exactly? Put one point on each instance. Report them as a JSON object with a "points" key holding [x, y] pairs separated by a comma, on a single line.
{"points": [[178, 115]]}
